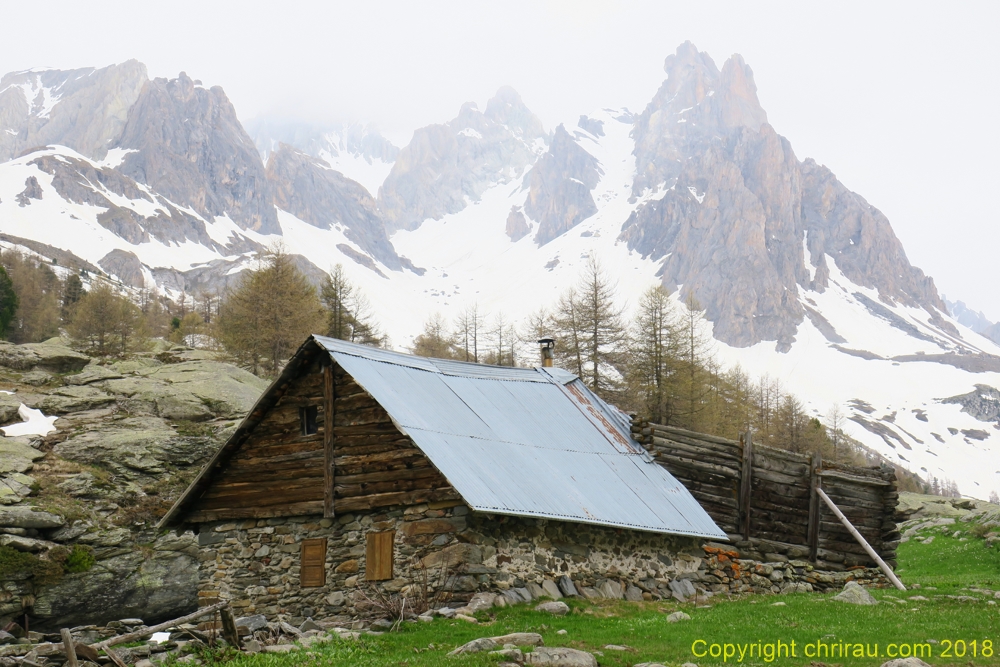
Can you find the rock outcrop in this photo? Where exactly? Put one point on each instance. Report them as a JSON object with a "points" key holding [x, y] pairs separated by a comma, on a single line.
{"points": [[312, 191], [191, 148], [559, 186], [129, 436], [445, 167]]}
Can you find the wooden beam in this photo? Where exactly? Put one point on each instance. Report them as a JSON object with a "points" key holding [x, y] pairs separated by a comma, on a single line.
{"points": [[328, 441], [814, 483], [69, 648], [861, 540], [745, 482]]}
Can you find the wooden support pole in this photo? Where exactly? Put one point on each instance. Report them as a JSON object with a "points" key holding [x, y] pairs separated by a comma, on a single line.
{"points": [[69, 648], [328, 439], [229, 632], [814, 508], [861, 540], [745, 483]]}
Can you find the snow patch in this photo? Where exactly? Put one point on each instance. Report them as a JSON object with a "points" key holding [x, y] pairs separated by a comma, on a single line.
{"points": [[35, 423]]}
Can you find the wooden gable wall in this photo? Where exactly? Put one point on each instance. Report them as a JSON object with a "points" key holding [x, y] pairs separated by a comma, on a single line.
{"points": [[277, 471]]}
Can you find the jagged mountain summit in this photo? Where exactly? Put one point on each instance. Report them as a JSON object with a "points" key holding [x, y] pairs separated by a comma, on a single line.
{"points": [[157, 182]]}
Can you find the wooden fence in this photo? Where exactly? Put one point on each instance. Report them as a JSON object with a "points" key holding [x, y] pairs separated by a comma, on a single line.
{"points": [[765, 498]]}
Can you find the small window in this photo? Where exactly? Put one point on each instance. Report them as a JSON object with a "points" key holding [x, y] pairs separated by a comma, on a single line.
{"points": [[312, 563], [308, 420], [378, 556]]}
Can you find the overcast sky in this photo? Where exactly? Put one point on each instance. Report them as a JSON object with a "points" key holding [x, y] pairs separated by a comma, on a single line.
{"points": [[899, 99]]}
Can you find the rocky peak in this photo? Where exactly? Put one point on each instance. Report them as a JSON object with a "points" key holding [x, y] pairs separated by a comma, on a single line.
{"points": [[190, 147], [559, 187], [741, 223], [84, 109], [446, 166]]}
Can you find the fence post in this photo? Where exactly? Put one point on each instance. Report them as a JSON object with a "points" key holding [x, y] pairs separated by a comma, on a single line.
{"points": [[814, 506], [745, 482]]}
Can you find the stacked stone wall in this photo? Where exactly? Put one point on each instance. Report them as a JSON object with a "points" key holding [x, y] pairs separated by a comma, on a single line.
{"points": [[443, 553]]}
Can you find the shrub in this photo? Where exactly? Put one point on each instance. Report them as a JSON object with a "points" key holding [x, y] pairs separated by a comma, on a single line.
{"points": [[81, 559]]}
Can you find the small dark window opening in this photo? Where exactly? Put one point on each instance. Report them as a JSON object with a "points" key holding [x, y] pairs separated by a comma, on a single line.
{"points": [[308, 420]]}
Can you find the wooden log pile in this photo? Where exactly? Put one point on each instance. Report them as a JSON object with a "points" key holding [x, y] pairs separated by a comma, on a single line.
{"points": [[765, 498]]}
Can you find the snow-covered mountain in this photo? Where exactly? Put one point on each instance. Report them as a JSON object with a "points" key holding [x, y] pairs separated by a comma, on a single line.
{"points": [[157, 182]]}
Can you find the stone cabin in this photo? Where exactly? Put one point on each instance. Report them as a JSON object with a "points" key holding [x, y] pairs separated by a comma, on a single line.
{"points": [[360, 468]]}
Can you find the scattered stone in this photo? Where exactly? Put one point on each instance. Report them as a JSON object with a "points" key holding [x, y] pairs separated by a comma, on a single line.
{"points": [[650, 664], [252, 646], [560, 657], [778, 604], [514, 654], [560, 632], [382, 624], [466, 618], [689, 664], [309, 624], [616, 647], [281, 648], [476, 646], [535, 590], [520, 639], [905, 662], [796, 587], [557, 608], [678, 616], [423, 618], [6, 637], [27, 517], [855, 593], [611, 590]]}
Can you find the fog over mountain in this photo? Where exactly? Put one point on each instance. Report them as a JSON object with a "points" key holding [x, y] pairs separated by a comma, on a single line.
{"points": [[157, 182]]}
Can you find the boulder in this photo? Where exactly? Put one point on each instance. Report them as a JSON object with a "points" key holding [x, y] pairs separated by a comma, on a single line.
{"points": [[9, 404], [611, 590], [252, 623], [476, 646], [677, 617], [50, 355], [855, 593], [905, 662], [15, 487], [557, 608], [560, 656], [17, 455], [64, 400], [25, 543], [27, 517], [535, 590]]}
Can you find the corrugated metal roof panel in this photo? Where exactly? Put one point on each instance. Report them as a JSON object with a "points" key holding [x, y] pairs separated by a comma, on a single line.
{"points": [[530, 442]]}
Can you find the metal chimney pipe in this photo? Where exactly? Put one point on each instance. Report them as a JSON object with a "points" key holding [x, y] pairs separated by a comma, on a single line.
{"points": [[546, 346]]}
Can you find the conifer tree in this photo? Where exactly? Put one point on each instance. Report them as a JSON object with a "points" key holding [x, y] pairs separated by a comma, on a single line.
{"points": [[38, 292], [269, 314], [8, 302], [348, 311], [435, 340], [108, 324], [653, 369], [72, 292]]}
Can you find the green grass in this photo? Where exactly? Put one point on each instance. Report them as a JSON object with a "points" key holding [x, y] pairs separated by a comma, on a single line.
{"points": [[948, 564]]}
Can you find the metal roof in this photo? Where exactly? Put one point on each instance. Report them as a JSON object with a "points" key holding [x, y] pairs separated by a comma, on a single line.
{"points": [[525, 441]]}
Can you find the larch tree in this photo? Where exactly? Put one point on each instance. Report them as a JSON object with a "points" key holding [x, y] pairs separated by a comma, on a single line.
{"points": [[108, 324], [39, 293], [349, 315], [435, 340], [468, 330], [269, 314], [592, 331], [653, 366]]}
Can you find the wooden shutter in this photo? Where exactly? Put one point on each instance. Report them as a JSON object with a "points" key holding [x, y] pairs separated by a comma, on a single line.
{"points": [[312, 565], [378, 556]]}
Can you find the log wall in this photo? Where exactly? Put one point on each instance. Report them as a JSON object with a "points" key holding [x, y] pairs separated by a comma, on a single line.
{"points": [[366, 464], [763, 498]]}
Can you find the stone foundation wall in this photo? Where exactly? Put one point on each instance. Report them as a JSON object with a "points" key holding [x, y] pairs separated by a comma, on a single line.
{"points": [[443, 550]]}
